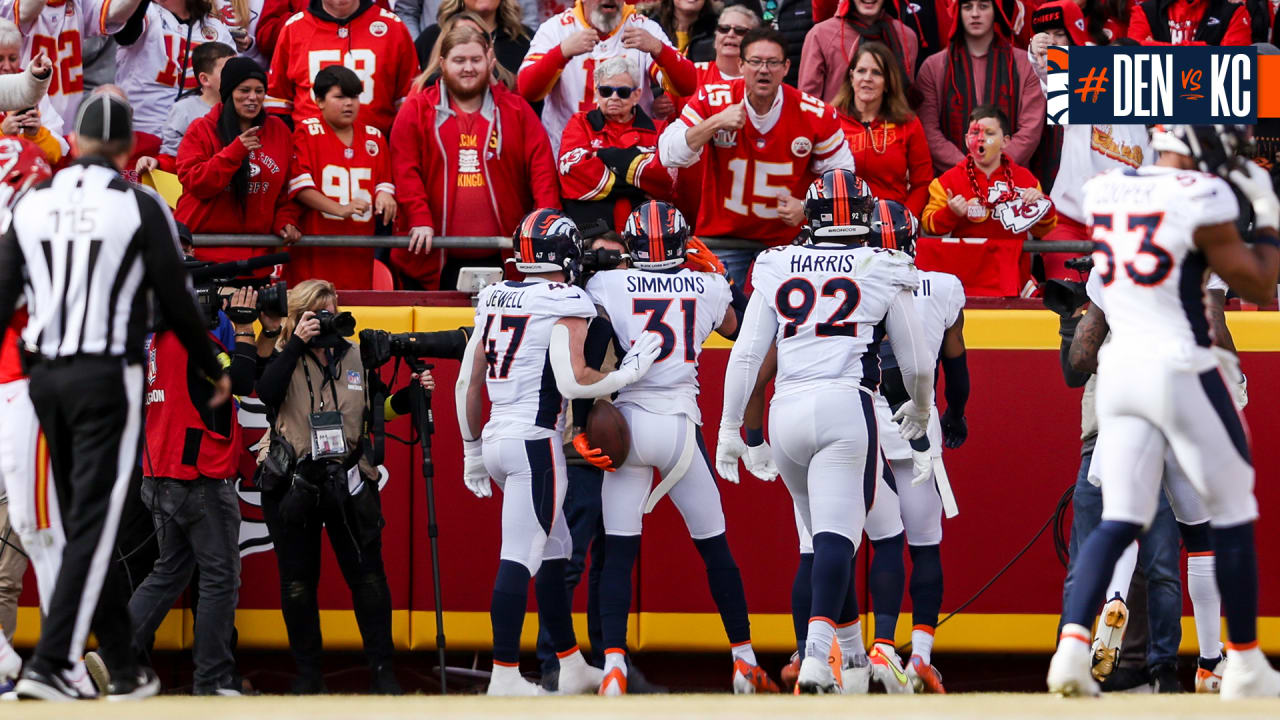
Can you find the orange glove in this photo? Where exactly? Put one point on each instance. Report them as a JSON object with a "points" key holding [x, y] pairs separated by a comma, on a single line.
{"points": [[697, 256], [592, 455]]}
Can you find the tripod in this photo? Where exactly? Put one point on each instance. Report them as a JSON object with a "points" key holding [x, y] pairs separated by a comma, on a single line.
{"points": [[420, 404]]}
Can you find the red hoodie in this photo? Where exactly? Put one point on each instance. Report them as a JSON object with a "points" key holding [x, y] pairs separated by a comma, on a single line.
{"points": [[205, 168], [517, 166]]}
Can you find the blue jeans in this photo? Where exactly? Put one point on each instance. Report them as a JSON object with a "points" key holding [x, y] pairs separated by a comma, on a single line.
{"points": [[1159, 552], [584, 513], [737, 263]]}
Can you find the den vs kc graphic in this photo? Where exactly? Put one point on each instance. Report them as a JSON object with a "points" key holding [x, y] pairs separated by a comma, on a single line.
{"points": [[1147, 85]]}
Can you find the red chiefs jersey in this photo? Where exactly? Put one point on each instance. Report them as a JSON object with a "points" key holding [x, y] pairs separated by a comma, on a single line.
{"points": [[343, 173], [745, 171], [374, 44], [10, 364]]}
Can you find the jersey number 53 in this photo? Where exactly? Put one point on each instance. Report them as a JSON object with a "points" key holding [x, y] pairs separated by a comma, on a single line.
{"points": [[1108, 234]]}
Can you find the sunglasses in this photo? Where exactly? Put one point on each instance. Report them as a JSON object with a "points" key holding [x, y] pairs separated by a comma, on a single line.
{"points": [[732, 30], [607, 91]]}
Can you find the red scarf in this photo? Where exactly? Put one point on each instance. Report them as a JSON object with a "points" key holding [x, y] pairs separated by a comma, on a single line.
{"points": [[960, 96]]}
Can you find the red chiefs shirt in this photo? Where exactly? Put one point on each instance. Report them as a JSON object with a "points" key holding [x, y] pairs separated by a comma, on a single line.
{"points": [[342, 173], [745, 171], [373, 43], [472, 209], [10, 364]]}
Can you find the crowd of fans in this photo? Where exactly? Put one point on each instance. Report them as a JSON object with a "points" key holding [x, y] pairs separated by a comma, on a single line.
{"points": [[458, 117]]}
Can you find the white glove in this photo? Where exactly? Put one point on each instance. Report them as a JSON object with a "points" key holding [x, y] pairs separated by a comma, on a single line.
{"points": [[1229, 362], [640, 357], [759, 462], [474, 474], [913, 422], [1255, 183], [729, 447], [921, 467]]}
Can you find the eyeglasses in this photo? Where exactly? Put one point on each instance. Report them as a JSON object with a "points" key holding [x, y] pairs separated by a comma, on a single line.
{"points": [[607, 91], [737, 30], [757, 63]]}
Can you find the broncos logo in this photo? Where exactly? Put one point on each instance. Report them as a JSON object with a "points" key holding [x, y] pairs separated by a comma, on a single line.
{"points": [[1058, 80]]}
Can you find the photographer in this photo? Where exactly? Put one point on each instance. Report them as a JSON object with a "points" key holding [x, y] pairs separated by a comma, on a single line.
{"points": [[318, 473], [189, 470]]}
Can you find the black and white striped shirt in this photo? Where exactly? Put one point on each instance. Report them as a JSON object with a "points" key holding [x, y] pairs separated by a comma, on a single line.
{"points": [[89, 249]]}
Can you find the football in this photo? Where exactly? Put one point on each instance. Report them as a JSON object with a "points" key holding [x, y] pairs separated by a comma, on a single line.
{"points": [[608, 431]]}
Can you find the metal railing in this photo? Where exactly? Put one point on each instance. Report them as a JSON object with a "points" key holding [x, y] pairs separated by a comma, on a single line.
{"points": [[504, 243]]}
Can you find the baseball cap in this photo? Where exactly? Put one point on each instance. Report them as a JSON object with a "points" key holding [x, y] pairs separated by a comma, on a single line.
{"points": [[104, 117]]}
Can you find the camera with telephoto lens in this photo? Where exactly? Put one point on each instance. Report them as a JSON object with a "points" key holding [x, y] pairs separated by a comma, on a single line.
{"points": [[214, 281], [1064, 297], [378, 347]]}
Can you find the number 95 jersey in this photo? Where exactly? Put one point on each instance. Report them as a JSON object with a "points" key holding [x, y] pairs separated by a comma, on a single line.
{"points": [[684, 307], [1151, 272], [514, 320], [830, 303]]}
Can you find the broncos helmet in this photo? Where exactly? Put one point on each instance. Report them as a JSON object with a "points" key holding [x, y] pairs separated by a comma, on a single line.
{"points": [[893, 226], [655, 235], [1217, 149], [548, 241], [22, 165], [838, 205]]}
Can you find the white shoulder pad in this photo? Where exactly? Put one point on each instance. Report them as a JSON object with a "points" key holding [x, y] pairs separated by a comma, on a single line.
{"points": [[895, 268], [568, 301]]}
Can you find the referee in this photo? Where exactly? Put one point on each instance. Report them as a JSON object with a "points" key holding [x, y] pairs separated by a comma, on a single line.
{"points": [[91, 250]]}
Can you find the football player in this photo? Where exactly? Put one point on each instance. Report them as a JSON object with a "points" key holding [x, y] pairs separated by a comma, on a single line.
{"points": [[827, 306], [527, 354], [683, 307], [761, 143], [921, 492], [1157, 231]]}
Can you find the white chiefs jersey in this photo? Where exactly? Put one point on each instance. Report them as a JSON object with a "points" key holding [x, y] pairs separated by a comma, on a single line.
{"points": [[59, 30], [938, 302], [574, 89], [514, 320], [830, 302], [684, 307], [1150, 276], [149, 69]]}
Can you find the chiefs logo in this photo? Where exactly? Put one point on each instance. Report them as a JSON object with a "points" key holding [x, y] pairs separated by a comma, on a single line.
{"points": [[571, 158], [377, 28], [254, 170], [371, 147]]}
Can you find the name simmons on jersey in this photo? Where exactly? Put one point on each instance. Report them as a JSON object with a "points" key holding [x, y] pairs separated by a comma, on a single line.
{"points": [[667, 284]]}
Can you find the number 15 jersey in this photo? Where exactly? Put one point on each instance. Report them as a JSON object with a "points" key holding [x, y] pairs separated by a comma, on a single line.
{"points": [[515, 320], [830, 302], [684, 307], [1152, 274]]}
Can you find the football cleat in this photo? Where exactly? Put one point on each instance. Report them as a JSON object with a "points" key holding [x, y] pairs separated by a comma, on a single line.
{"points": [[791, 671], [576, 676], [886, 669], [10, 663], [506, 681], [855, 676], [1249, 677], [1106, 646], [1069, 674], [614, 683], [816, 677], [924, 677], [1209, 679], [750, 679]]}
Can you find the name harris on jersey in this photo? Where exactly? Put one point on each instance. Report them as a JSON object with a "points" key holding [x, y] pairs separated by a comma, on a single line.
{"points": [[832, 263]]}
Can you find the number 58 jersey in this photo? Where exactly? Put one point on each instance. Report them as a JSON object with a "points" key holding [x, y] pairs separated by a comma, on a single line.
{"points": [[1151, 272], [830, 302], [515, 320], [684, 307]]}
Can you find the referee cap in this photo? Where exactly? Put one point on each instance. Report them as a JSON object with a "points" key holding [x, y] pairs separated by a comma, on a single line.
{"points": [[104, 117]]}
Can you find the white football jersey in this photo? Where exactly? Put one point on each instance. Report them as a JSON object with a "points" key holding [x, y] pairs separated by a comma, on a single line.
{"points": [[830, 302], [1150, 272], [59, 30], [938, 302], [148, 70], [514, 320], [574, 88], [684, 307]]}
